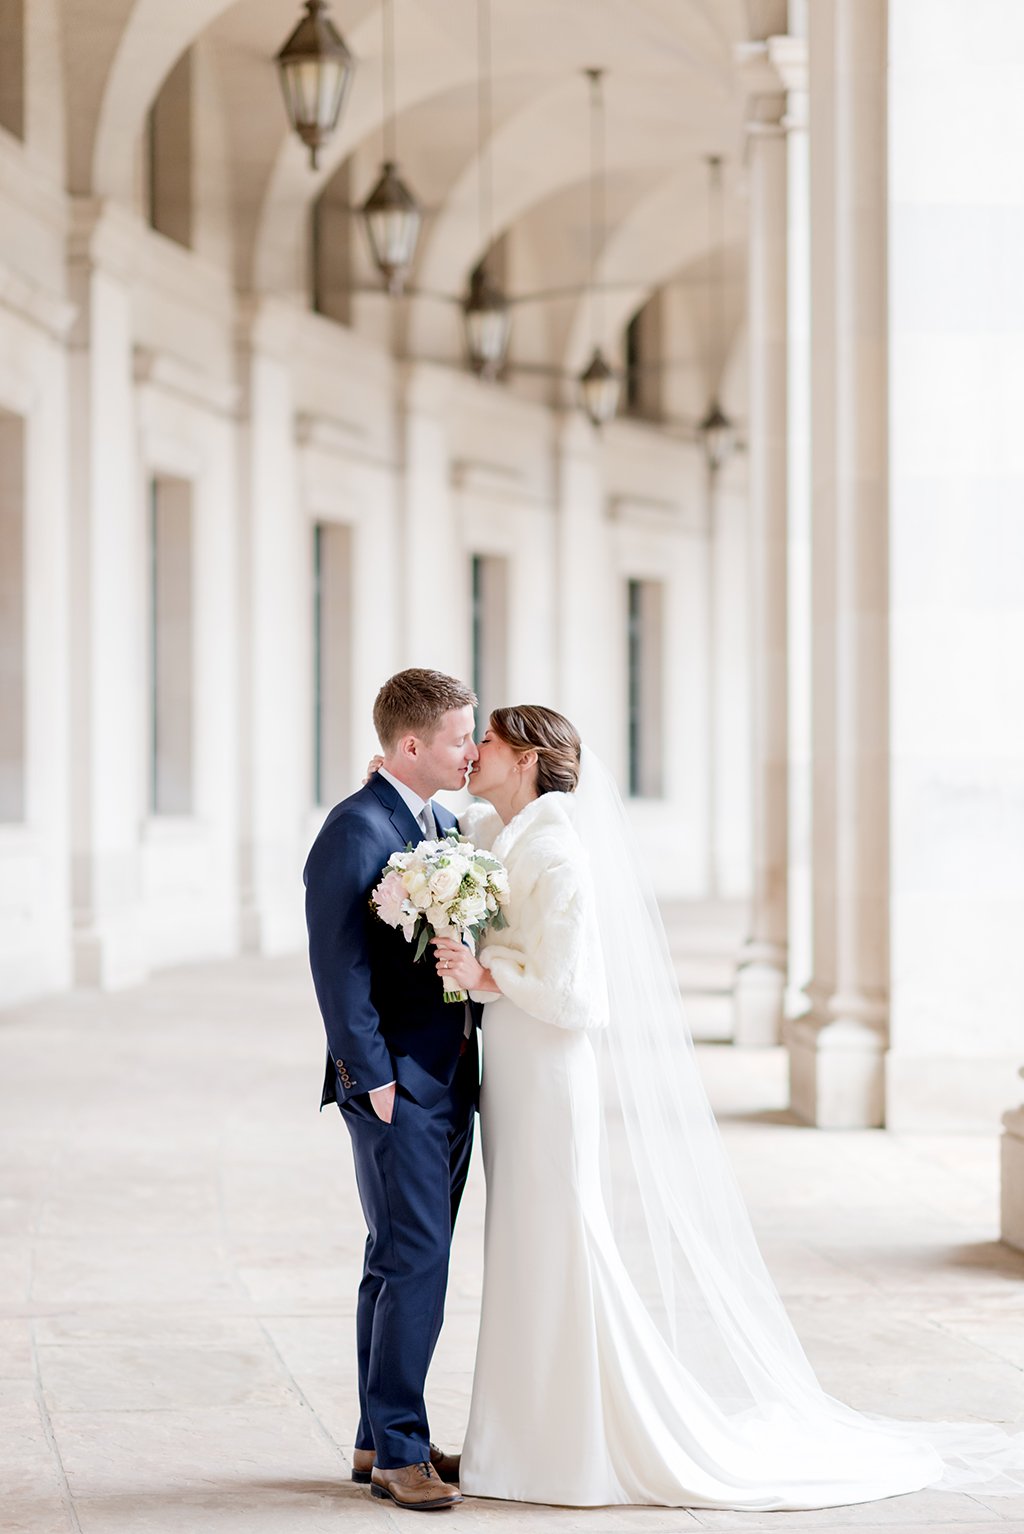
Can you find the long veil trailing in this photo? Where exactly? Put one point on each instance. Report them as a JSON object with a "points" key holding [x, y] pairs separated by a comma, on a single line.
{"points": [[687, 1238]]}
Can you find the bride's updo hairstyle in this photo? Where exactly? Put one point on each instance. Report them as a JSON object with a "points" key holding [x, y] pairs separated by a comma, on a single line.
{"points": [[555, 740]]}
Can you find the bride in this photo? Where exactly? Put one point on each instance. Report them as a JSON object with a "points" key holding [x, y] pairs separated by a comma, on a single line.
{"points": [[661, 1367]]}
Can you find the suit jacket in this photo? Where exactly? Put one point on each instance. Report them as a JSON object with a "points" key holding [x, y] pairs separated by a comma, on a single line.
{"points": [[385, 1016]]}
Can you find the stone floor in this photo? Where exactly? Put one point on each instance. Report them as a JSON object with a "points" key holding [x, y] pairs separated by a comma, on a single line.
{"points": [[179, 1243]]}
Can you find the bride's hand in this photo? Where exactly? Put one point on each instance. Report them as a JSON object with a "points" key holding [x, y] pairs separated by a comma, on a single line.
{"points": [[458, 968], [376, 762]]}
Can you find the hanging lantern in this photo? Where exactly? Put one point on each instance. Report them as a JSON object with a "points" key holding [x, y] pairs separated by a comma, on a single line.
{"points": [[391, 214], [599, 390], [316, 69], [716, 429], [487, 321], [485, 311], [598, 384], [719, 436], [392, 219]]}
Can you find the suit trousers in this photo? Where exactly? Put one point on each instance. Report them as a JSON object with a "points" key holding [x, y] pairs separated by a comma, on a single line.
{"points": [[410, 1175]]}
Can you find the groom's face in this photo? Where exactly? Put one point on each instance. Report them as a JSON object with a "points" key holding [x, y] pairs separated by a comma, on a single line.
{"points": [[448, 756]]}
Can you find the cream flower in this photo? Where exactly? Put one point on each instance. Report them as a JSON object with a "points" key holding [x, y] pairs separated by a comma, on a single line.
{"points": [[445, 883]]}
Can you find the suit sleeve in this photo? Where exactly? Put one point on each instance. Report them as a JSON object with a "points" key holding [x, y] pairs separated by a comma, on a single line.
{"points": [[343, 867]]}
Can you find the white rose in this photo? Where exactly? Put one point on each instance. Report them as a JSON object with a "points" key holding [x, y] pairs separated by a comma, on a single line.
{"points": [[499, 882], [419, 890], [473, 907], [445, 883]]}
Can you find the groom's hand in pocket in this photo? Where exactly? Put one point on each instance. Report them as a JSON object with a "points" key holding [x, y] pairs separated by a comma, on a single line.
{"points": [[382, 1101]]}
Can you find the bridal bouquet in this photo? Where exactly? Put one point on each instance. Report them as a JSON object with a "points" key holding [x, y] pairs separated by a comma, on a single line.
{"points": [[443, 887]]}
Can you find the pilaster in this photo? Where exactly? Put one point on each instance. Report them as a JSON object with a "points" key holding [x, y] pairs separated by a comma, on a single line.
{"points": [[760, 987], [837, 1050], [108, 647]]}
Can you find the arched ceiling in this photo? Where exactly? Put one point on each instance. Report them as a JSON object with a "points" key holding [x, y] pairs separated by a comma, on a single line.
{"points": [[673, 96]]}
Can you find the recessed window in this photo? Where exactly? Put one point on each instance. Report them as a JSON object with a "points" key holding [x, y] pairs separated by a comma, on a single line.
{"points": [[643, 357], [12, 618], [331, 249], [168, 150], [332, 661], [171, 646], [12, 66], [645, 665], [489, 648]]}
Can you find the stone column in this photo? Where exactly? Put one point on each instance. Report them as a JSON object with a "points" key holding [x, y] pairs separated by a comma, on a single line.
{"points": [[274, 705], [108, 618], [589, 649], [761, 979], [433, 633], [837, 1050]]}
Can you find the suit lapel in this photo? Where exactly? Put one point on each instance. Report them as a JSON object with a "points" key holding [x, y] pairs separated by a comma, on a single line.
{"points": [[402, 818], [444, 820]]}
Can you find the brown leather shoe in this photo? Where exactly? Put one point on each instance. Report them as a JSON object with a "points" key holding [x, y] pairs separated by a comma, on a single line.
{"points": [[363, 1461], [417, 1487], [446, 1465]]}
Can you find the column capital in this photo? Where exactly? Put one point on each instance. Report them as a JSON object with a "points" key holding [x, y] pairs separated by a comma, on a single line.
{"points": [[774, 73], [101, 234]]}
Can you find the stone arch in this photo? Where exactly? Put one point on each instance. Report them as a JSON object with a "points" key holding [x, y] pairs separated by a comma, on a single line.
{"points": [[551, 137]]}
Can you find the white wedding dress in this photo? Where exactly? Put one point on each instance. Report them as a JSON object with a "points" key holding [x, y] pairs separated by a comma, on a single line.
{"points": [[584, 1393]]}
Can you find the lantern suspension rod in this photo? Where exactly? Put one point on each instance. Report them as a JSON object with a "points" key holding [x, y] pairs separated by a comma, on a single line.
{"points": [[485, 121], [597, 196], [390, 132], [716, 221]]}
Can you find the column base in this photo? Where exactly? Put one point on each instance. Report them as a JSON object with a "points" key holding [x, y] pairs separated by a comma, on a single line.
{"points": [[108, 959], [836, 1073], [1011, 1225], [759, 996]]}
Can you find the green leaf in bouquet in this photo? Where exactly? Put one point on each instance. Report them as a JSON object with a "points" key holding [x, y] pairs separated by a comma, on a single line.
{"points": [[499, 921], [421, 944]]}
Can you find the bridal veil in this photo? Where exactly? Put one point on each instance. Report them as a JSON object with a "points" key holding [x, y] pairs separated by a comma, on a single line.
{"points": [[683, 1228]]}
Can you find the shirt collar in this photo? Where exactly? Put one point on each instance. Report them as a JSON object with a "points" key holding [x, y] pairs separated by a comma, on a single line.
{"points": [[408, 795]]}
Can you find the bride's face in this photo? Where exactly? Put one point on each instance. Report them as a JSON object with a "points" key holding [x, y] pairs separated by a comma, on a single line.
{"points": [[495, 766]]}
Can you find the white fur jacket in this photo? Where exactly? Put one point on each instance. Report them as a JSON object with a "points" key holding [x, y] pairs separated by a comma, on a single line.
{"points": [[548, 959]]}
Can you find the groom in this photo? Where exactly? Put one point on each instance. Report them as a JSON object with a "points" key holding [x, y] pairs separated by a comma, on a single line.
{"points": [[402, 1067]]}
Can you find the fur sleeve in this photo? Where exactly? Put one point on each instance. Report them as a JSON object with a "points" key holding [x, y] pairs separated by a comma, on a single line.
{"points": [[548, 961]]}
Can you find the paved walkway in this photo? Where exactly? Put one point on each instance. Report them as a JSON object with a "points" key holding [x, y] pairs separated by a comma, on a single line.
{"points": [[179, 1244]]}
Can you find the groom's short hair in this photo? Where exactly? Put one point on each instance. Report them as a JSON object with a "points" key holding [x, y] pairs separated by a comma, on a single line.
{"points": [[414, 702]]}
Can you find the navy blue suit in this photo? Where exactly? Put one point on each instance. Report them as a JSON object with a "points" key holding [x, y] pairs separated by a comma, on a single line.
{"points": [[386, 1020]]}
